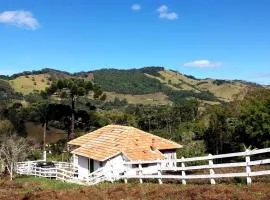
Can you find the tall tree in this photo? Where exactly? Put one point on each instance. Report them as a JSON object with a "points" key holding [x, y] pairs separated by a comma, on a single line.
{"points": [[74, 88], [218, 136], [43, 113]]}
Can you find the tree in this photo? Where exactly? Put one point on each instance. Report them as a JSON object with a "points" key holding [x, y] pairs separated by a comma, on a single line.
{"points": [[254, 126], [75, 88], [218, 136], [13, 149], [46, 112], [43, 113]]}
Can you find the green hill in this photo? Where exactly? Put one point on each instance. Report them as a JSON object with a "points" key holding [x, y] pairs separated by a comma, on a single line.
{"points": [[149, 85]]}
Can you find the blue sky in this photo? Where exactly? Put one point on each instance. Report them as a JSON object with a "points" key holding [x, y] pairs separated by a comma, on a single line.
{"points": [[227, 39]]}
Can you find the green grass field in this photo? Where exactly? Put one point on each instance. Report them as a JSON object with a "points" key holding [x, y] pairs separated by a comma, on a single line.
{"points": [[43, 183]]}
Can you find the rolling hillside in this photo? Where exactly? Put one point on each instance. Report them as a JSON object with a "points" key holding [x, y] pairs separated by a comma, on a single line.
{"points": [[149, 85]]}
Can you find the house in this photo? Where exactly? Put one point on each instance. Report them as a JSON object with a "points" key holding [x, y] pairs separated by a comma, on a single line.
{"points": [[114, 144]]}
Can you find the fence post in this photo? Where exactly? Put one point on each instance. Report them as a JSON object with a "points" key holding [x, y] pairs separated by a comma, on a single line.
{"points": [[112, 172], [140, 173], [159, 172], [125, 173], [56, 174], [184, 182], [248, 169], [212, 172]]}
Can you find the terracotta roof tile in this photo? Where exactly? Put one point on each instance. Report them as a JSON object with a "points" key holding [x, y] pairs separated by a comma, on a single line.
{"points": [[111, 140]]}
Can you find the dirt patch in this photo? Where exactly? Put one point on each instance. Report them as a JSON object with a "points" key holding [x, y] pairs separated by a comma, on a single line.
{"points": [[35, 132], [31, 188], [154, 191]]}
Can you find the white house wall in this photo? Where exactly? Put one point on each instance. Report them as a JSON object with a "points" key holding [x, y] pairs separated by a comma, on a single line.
{"points": [[116, 163], [169, 155], [75, 160], [82, 163], [82, 167]]}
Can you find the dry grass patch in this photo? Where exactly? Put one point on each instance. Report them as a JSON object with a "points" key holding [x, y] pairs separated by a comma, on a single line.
{"points": [[158, 98], [155, 191], [35, 132], [29, 83], [40, 188], [225, 92]]}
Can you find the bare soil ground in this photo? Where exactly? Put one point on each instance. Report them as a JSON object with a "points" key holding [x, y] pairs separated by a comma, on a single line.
{"points": [[35, 132], [36, 188]]}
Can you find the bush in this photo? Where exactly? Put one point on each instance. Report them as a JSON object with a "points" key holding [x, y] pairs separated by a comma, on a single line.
{"points": [[36, 154]]}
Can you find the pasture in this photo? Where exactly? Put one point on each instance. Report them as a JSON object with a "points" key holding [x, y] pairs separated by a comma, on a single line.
{"points": [[41, 188]]}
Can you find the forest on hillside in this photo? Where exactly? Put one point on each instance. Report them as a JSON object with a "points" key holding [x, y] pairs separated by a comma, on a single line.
{"points": [[66, 105], [135, 82], [131, 82]]}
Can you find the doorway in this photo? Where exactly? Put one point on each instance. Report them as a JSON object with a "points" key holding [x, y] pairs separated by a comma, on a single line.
{"points": [[90, 165]]}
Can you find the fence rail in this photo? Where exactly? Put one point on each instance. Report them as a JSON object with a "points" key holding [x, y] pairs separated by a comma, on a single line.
{"points": [[163, 167], [61, 170]]}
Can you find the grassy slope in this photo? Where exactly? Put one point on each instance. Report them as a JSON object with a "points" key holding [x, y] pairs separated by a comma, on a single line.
{"points": [[26, 85], [175, 81], [41, 188], [153, 98], [177, 78], [225, 92]]}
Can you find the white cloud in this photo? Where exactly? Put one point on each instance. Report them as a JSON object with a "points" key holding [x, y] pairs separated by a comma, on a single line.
{"points": [[165, 14], [202, 64], [163, 9], [136, 7], [20, 18]]}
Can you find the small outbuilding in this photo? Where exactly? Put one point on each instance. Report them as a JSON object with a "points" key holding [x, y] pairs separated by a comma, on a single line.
{"points": [[114, 144]]}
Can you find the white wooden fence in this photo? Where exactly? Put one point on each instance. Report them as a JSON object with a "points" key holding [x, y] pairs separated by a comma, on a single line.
{"points": [[162, 168], [174, 169], [61, 171]]}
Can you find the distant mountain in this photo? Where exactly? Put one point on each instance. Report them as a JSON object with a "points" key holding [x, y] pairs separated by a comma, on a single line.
{"points": [[149, 85]]}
